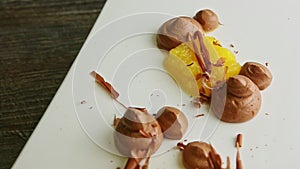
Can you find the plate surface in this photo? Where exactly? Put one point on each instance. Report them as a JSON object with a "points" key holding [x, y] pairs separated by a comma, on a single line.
{"points": [[122, 48], [131, 62]]}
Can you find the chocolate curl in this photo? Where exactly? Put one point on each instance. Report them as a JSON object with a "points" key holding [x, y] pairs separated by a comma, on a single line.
{"points": [[238, 158], [228, 163], [220, 62], [204, 52], [215, 158], [197, 53], [239, 140], [108, 87], [133, 163]]}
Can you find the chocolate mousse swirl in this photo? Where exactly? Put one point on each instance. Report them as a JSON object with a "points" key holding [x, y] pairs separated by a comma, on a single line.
{"points": [[201, 155], [175, 31], [137, 134], [258, 73], [243, 100]]}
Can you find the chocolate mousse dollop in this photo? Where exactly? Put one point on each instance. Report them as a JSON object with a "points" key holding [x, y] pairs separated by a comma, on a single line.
{"points": [[243, 100], [201, 155], [175, 31], [137, 134], [173, 122], [258, 73]]}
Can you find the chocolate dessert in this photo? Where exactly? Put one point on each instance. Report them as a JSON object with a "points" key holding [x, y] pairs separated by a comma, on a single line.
{"points": [[243, 100], [172, 122], [201, 155], [137, 134], [208, 19], [175, 31], [258, 73]]}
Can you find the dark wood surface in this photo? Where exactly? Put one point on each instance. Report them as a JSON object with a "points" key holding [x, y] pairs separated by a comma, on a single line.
{"points": [[39, 39]]}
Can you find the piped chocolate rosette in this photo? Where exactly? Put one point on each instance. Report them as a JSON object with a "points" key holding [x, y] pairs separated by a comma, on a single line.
{"points": [[137, 134], [201, 155], [243, 94]]}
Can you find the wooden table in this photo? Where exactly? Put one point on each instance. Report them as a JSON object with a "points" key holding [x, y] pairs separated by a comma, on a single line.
{"points": [[39, 39]]}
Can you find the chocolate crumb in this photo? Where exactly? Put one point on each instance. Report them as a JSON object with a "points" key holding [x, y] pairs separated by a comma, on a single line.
{"points": [[190, 64], [231, 45], [185, 140], [236, 52], [83, 102], [199, 115], [180, 146], [267, 114], [267, 63], [91, 107], [183, 104]]}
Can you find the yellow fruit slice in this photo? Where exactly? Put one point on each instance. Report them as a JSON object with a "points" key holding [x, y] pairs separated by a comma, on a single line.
{"points": [[183, 65], [231, 64]]}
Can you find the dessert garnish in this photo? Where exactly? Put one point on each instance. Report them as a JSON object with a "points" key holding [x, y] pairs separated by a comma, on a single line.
{"points": [[239, 140], [107, 86], [196, 66]]}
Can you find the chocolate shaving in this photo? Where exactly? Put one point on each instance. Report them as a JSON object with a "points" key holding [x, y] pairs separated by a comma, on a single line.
{"points": [[220, 62], [146, 165], [199, 115], [238, 156], [228, 163], [190, 64], [108, 87], [133, 163], [197, 53], [181, 146], [116, 121], [144, 133], [239, 140], [215, 42], [198, 76], [215, 158], [201, 99], [204, 52], [238, 160], [267, 64]]}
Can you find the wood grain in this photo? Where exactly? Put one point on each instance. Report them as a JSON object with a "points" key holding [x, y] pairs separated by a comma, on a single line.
{"points": [[39, 39]]}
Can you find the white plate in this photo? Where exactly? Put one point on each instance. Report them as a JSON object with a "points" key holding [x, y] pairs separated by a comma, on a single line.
{"points": [[262, 31]]}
